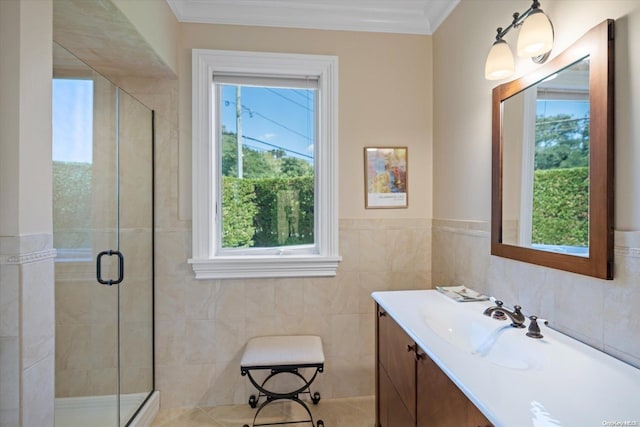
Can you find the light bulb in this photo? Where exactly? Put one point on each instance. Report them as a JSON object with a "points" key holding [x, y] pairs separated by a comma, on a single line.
{"points": [[536, 35], [500, 63]]}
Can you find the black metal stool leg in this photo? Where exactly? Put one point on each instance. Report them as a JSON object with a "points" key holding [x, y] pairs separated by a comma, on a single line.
{"points": [[253, 401], [300, 402], [272, 396]]}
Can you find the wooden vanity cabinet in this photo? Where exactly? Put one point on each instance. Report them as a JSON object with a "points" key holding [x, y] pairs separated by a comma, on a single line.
{"points": [[440, 403], [390, 407], [411, 390], [396, 377]]}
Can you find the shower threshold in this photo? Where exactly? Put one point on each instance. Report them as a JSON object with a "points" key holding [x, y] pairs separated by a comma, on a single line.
{"points": [[96, 411]]}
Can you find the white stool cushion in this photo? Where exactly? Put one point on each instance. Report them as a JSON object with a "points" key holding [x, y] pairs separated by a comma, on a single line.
{"points": [[283, 350]]}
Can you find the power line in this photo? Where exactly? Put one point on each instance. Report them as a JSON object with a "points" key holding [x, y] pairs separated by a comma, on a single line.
{"points": [[553, 122], [277, 146], [252, 112], [282, 126], [270, 145], [301, 92], [289, 99]]}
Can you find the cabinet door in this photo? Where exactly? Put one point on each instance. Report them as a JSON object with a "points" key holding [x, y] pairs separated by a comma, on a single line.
{"points": [[475, 418], [392, 411], [395, 350], [440, 403]]}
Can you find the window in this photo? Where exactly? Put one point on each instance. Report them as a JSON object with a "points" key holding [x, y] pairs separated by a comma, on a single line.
{"points": [[264, 165]]}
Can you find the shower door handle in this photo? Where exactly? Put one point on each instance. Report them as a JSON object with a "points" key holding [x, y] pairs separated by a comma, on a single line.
{"points": [[120, 267]]}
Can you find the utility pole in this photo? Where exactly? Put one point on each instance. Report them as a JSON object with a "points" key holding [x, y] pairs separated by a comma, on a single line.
{"points": [[239, 130]]}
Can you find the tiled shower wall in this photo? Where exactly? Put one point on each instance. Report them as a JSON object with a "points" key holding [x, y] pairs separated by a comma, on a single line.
{"points": [[601, 313]]}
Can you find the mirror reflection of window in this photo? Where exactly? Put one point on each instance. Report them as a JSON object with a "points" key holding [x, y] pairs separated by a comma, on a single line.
{"points": [[546, 163], [561, 163]]}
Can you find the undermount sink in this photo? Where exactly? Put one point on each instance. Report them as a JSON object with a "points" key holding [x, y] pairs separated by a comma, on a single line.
{"points": [[466, 328]]}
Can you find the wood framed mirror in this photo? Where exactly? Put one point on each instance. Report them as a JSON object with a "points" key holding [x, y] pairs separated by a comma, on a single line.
{"points": [[552, 185]]}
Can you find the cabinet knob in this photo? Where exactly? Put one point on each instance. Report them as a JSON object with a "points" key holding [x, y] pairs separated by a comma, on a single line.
{"points": [[382, 313]]}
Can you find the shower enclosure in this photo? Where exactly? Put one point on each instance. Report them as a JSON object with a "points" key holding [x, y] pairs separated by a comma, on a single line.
{"points": [[103, 235]]}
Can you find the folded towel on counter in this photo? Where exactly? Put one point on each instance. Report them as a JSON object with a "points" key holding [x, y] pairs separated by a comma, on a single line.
{"points": [[461, 293]]}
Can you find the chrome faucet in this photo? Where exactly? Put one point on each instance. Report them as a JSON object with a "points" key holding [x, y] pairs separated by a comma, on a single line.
{"points": [[516, 316]]}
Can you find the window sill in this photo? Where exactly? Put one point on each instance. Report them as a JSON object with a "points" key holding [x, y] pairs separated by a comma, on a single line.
{"points": [[265, 267]]}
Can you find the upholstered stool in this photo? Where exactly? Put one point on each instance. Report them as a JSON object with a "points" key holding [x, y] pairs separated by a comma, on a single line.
{"points": [[285, 354]]}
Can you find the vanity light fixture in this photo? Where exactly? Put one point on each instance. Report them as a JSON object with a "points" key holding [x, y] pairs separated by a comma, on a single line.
{"points": [[534, 41]]}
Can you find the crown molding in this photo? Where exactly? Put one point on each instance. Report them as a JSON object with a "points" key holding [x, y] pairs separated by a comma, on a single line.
{"points": [[386, 16]]}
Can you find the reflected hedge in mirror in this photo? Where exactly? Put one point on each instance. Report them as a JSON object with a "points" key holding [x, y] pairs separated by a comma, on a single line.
{"points": [[561, 207]]}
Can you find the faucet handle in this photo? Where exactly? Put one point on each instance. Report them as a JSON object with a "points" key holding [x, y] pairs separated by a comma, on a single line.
{"points": [[495, 311], [534, 328]]}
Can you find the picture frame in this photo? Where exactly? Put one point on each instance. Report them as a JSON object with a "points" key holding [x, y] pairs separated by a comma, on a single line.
{"points": [[386, 177]]}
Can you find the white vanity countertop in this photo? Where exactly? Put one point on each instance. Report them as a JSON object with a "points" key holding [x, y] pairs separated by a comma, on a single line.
{"points": [[517, 381]]}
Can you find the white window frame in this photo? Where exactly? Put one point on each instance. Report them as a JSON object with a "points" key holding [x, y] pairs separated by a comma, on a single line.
{"points": [[207, 261], [528, 158]]}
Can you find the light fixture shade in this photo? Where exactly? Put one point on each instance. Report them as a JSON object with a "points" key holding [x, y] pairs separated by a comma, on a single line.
{"points": [[500, 63], [536, 35]]}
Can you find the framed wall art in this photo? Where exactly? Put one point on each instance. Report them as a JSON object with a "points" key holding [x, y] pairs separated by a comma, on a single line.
{"points": [[385, 177]]}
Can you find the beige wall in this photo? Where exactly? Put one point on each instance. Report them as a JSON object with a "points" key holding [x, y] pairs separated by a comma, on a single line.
{"points": [[119, 38], [26, 255], [598, 312], [157, 25], [385, 92], [25, 78]]}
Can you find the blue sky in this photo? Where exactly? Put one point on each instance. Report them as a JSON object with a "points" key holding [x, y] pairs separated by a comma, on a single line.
{"points": [[278, 117], [72, 120], [554, 107]]}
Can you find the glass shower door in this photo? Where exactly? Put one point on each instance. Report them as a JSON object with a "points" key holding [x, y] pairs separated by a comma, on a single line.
{"points": [[103, 234], [136, 241], [84, 224]]}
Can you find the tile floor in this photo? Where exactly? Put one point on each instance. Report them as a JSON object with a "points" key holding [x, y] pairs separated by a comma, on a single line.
{"points": [[346, 412]]}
